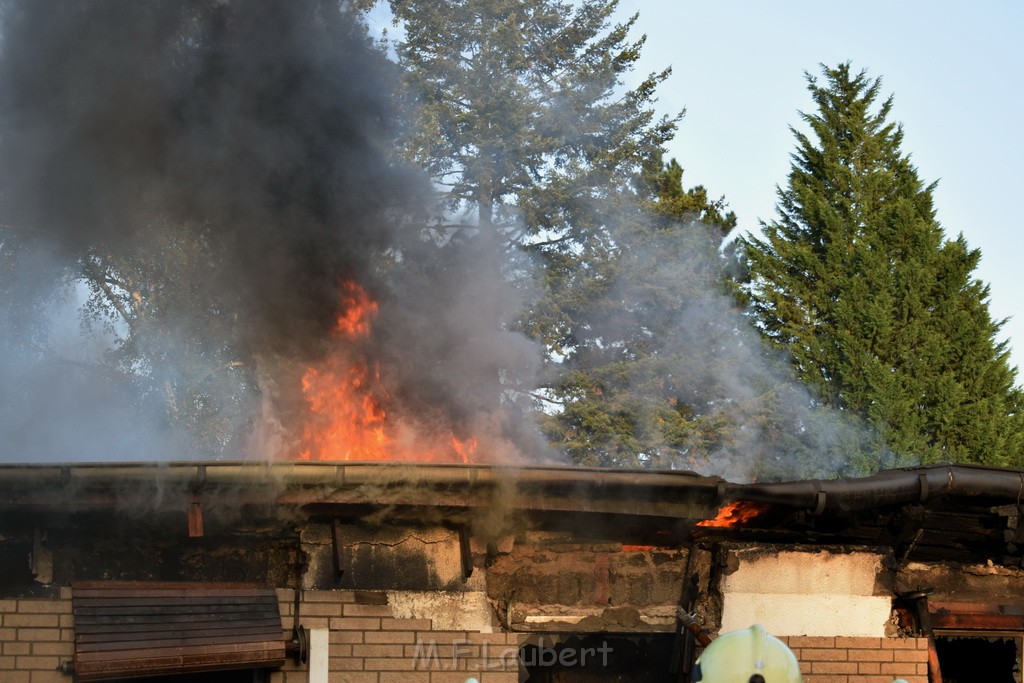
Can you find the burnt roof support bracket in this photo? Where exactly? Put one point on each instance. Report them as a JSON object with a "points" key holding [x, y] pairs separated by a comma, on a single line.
{"points": [[338, 544], [465, 552], [918, 600], [194, 515], [819, 499]]}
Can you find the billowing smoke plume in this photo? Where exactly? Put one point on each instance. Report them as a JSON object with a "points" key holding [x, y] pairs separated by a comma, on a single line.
{"points": [[219, 170], [749, 418], [207, 179]]}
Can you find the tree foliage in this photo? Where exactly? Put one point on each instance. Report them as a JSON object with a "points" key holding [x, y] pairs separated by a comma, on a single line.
{"points": [[529, 134], [880, 312], [523, 118], [628, 393], [176, 338]]}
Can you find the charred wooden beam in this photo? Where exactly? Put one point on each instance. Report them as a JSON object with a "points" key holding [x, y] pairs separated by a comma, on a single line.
{"points": [[337, 544], [983, 616], [195, 517], [465, 552]]}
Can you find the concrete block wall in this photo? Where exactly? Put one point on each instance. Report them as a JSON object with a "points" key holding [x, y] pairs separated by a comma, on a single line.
{"points": [[825, 659], [36, 635]]}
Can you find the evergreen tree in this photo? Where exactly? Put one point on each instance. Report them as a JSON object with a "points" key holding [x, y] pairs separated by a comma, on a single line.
{"points": [[533, 142], [523, 120], [629, 394], [879, 310]]}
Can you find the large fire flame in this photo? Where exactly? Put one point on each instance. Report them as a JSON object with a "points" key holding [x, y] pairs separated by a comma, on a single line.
{"points": [[735, 514], [348, 417]]}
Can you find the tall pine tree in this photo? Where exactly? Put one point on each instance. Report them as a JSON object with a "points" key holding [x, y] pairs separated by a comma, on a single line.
{"points": [[631, 393], [523, 117], [533, 141], [880, 311]]}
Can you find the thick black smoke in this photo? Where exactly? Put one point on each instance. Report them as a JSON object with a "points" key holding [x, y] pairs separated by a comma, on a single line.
{"points": [[265, 123], [242, 152]]}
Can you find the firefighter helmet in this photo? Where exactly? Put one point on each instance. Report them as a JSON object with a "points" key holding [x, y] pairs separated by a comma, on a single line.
{"points": [[749, 655]]}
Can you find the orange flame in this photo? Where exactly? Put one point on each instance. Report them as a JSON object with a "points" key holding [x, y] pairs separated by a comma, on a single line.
{"points": [[735, 514], [348, 419], [358, 309], [465, 449]]}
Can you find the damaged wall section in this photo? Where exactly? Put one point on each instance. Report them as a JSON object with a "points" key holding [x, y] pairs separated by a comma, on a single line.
{"points": [[551, 582], [806, 592]]}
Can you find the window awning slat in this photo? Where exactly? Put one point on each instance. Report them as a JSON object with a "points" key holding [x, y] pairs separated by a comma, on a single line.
{"points": [[132, 629]]}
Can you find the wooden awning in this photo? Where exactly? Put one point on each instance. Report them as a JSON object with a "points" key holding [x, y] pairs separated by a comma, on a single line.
{"points": [[980, 616], [133, 629]]}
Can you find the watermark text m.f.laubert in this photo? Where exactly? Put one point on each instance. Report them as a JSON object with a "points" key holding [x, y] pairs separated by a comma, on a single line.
{"points": [[428, 655]]}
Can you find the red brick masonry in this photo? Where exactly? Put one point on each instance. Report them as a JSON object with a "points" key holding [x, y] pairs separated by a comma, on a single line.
{"points": [[860, 660], [369, 645]]}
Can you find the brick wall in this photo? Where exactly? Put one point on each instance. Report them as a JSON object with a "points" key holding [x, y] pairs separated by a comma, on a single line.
{"points": [[36, 635], [860, 660], [369, 645]]}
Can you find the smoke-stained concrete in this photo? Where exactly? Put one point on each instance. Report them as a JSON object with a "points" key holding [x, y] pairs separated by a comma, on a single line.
{"points": [[240, 155]]}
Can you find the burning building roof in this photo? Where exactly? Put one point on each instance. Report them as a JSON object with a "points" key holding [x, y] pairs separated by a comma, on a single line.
{"points": [[556, 552], [954, 512]]}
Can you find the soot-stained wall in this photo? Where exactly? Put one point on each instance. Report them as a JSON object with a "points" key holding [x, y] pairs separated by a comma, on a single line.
{"points": [[43, 551], [551, 581], [384, 557]]}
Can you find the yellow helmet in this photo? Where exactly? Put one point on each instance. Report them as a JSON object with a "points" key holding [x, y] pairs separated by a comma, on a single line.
{"points": [[747, 656]]}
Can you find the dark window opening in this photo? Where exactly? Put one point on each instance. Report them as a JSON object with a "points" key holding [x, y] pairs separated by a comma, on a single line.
{"points": [[15, 564], [608, 658], [969, 659]]}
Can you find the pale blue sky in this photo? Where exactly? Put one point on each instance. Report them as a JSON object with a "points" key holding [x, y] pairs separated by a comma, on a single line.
{"points": [[955, 70]]}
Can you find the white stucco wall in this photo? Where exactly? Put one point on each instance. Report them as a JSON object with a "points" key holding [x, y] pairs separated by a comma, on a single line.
{"points": [[812, 593]]}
